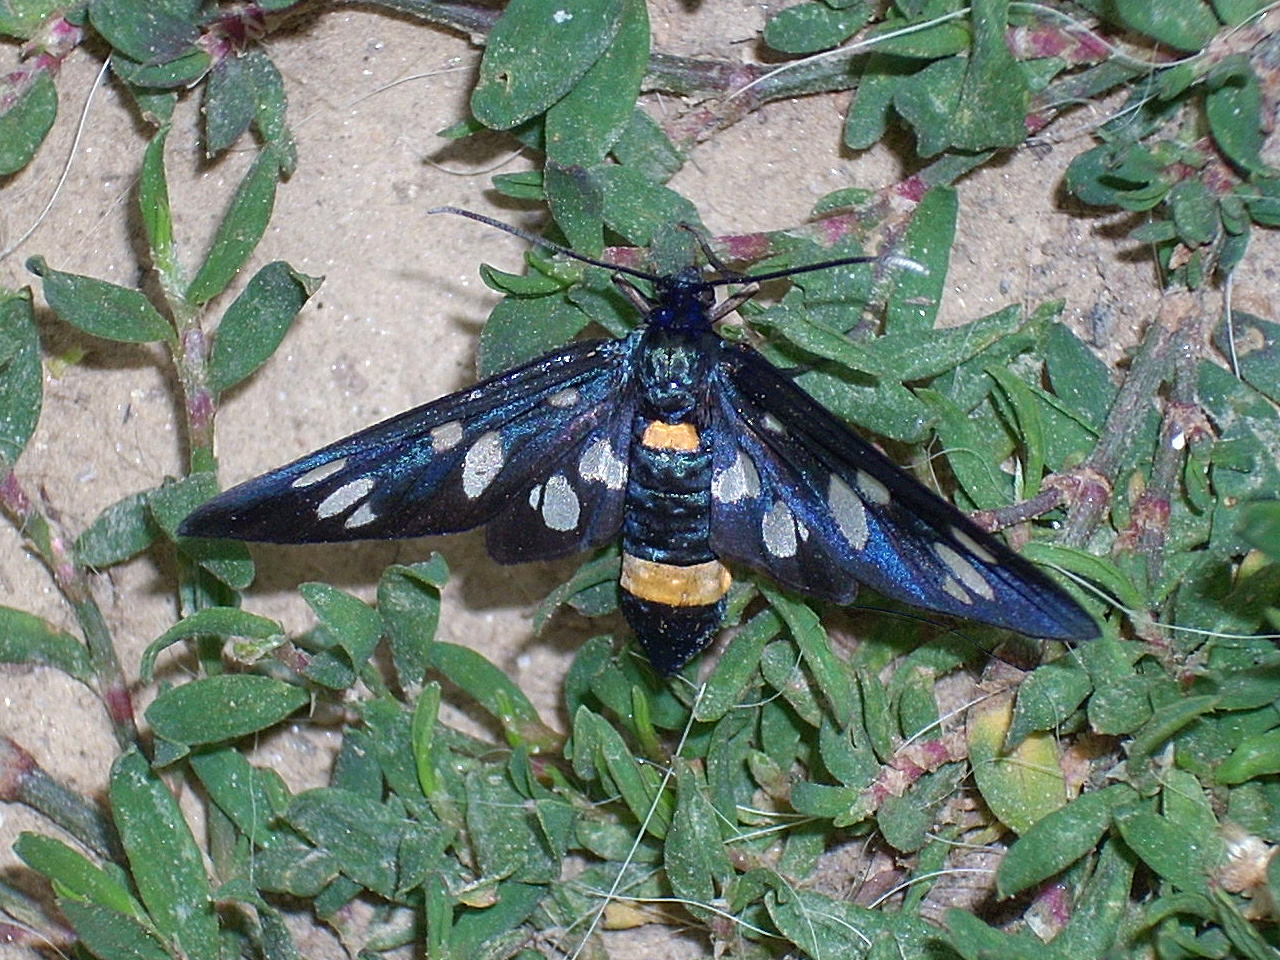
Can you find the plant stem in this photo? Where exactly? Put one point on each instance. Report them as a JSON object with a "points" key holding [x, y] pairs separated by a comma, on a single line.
{"points": [[23, 781], [51, 545]]}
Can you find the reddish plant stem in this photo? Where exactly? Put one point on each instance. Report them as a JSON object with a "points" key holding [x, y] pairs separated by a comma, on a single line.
{"points": [[51, 545], [23, 781], [1096, 478]]}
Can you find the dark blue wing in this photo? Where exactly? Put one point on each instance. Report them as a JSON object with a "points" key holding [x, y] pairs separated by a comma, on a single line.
{"points": [[798, 495], [539, 452]]}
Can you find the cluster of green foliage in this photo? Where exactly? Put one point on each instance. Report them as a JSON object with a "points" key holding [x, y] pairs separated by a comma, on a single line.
{"points": [[724, 800]]}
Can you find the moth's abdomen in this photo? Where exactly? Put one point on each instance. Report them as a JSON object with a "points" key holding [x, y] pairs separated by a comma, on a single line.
{"points": [[673, 587]]}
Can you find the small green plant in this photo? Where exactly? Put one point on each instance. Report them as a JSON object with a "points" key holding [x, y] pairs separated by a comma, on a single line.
{"points": [[1133, 779]]}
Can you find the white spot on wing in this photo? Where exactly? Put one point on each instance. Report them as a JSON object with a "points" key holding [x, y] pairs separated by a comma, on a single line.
{"points": [[779, 530], [972, 545], [481, 464], [560, 507], [601, 464], [773, 424], [849, 513], [347, 495], [316, 474], [737, 481], [361, 518], [446, 436], [872, 489], [964, 571], [952, 586], [568, 397]]}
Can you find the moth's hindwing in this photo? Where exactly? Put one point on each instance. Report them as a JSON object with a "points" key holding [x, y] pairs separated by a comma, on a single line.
{"points": [[469, 458], [798, 495]]}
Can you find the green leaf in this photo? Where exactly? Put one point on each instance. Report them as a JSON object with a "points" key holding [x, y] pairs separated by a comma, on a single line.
{"points": [[364, 836], [928, 99], [247, 89], [509, 844], [113, 935], [409, 604], [348, 621], [644, 146], [1233, 107], [177, 74], [426, 715], [914, 298], [575, 202], [241, 228], [1195, 212], [531, 284], [520, 329], [694, 855], [241, 791], [811, 26], [905, 38], [1182, 24], [734, 671], [21, 376], [228, 560], [1261, 527], [526, 185], [28, 640], [76, 878], [164, 859], [1255, 344], [485, 683], [26, 120], [975, 940], [868, 117], [255, 324], [1255, 756], [536, 53], [223, 707], [101, 308], [157, 217], [22, 19], [1059, 839], [1022, 784], [835, 928], [994, 97], [229, 102], [225, 622], [638, 209], [806, 629], [584, 125], [147, 30], [1167, 849], [120, 532], [474, 931], [611, 757], [804, 330]]}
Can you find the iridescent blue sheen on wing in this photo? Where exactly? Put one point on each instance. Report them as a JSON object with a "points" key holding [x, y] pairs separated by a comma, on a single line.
{"points": [[825, 510], [470, 458], [695, 449]]}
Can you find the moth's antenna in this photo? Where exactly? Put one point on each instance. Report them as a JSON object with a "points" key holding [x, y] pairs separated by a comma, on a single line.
{"points": [[545, 243], [891, 260], [732, 277]]}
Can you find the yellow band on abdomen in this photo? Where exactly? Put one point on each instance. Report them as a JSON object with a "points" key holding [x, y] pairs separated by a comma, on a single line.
{"points": [[670, 436], [694, 586]]}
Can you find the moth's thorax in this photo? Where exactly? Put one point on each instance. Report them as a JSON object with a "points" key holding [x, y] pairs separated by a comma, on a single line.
{"points": [[684, 303], [673, 369]]}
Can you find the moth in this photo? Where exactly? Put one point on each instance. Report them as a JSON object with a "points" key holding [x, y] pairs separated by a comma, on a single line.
{"points": [[694, 449]]}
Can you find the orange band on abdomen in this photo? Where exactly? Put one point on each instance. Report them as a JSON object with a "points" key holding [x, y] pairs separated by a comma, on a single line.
{"points": [[696, 585]]}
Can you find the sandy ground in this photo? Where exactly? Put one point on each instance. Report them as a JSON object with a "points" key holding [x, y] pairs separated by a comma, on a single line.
{"points": [[395, 324]]}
